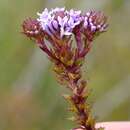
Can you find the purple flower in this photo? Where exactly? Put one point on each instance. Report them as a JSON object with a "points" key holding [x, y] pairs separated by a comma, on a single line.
{"points": [[95, 21], [59, 21]]}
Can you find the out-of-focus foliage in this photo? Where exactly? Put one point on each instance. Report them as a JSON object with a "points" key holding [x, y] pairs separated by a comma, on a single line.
{"points": [[30, 98]]}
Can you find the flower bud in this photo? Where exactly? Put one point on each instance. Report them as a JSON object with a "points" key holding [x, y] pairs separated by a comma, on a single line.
{"points": [[31, 28]]}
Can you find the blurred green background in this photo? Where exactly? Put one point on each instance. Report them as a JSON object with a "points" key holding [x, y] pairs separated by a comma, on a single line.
{"points": [[30, 97]]}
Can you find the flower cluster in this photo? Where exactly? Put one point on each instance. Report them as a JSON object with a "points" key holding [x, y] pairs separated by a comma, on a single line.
{"points": [[61, 28], [62, 22], [96, 21], [59, 21]]}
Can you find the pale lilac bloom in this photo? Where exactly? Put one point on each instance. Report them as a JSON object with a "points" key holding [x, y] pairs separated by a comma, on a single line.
{"points": [[76, 15], [44, 18], [75, 18], [93, 28], [64, 24], [86, 22], [57, 10], [55, 24], [88, 14], [92, 24]]}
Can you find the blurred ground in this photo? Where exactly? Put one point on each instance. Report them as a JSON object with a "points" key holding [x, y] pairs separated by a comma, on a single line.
{"points": [[30, 98]]}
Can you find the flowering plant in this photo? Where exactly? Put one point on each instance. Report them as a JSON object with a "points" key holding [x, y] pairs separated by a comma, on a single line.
{"points": [[54, 32]]}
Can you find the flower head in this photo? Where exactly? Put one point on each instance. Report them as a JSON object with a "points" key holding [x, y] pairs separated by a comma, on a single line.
{"points": [[96, 21], [32, 28], [59, 21], [58, 25]]}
